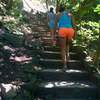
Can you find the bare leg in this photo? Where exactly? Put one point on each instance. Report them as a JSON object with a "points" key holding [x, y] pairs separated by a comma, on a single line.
{"points": [[64, 42], [63, 51], [67, 49], [52, 36]]}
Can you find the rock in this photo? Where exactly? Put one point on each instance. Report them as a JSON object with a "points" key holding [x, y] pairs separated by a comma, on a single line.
{"points": [[8, 90]]}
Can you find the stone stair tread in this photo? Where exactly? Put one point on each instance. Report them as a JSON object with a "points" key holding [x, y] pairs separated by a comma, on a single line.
{"points": [[51, 52], [67, 88], [67, 84], [56, 60], [47, 38], [57, 55], [59, 75], [56, 52], [74, 99], [46, 46], [67, 71], [57, 48], [52, 49], [58, 63]]}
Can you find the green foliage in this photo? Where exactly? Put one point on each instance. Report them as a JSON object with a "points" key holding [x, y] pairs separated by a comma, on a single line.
{"points": [[87, 39], [16, 9], [2, 8], [88, 35], [97, 9]]}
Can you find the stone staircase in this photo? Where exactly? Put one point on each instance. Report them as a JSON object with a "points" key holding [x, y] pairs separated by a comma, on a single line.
{"points": [[73, 84]]}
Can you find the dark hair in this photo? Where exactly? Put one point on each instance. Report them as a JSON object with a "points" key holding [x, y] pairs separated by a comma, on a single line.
{"points": [[51, 9], [61, 8]]}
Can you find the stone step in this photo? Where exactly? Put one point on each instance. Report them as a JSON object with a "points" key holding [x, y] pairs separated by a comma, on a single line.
{"points": [[51, 48], [69, 99], [49, 43], [58, 75], [47, 38], [57, 55], [49, 97], [54, 98], [56, 63], [67, 89], [57, 48], [76, 99], [47, 35]]}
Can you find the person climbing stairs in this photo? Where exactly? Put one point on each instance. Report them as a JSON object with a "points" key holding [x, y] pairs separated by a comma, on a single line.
{"points": [[72, 84]]}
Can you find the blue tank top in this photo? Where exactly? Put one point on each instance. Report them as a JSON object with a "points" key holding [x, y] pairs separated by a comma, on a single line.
{"points": [[65, 21], [51, 16]]}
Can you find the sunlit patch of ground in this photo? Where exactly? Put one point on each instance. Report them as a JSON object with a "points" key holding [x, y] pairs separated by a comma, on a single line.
{"points": [[36, 5]]}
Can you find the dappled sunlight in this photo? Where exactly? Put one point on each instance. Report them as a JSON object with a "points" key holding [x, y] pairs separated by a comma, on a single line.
{"points": [[66, 84], [89, 59], [8, 87], [67, 70], [57, 70], [49, 85], [37, 68], [11, 89], [6, 47], [26, 29], [8, 18], [72, 70]]}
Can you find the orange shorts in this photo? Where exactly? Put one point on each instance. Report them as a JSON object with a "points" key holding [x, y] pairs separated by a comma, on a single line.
{"points": [[66, 32]]}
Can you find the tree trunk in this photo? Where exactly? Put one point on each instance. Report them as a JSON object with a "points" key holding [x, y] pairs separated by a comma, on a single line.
{"points": [[57, 5], [47, 4]]}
